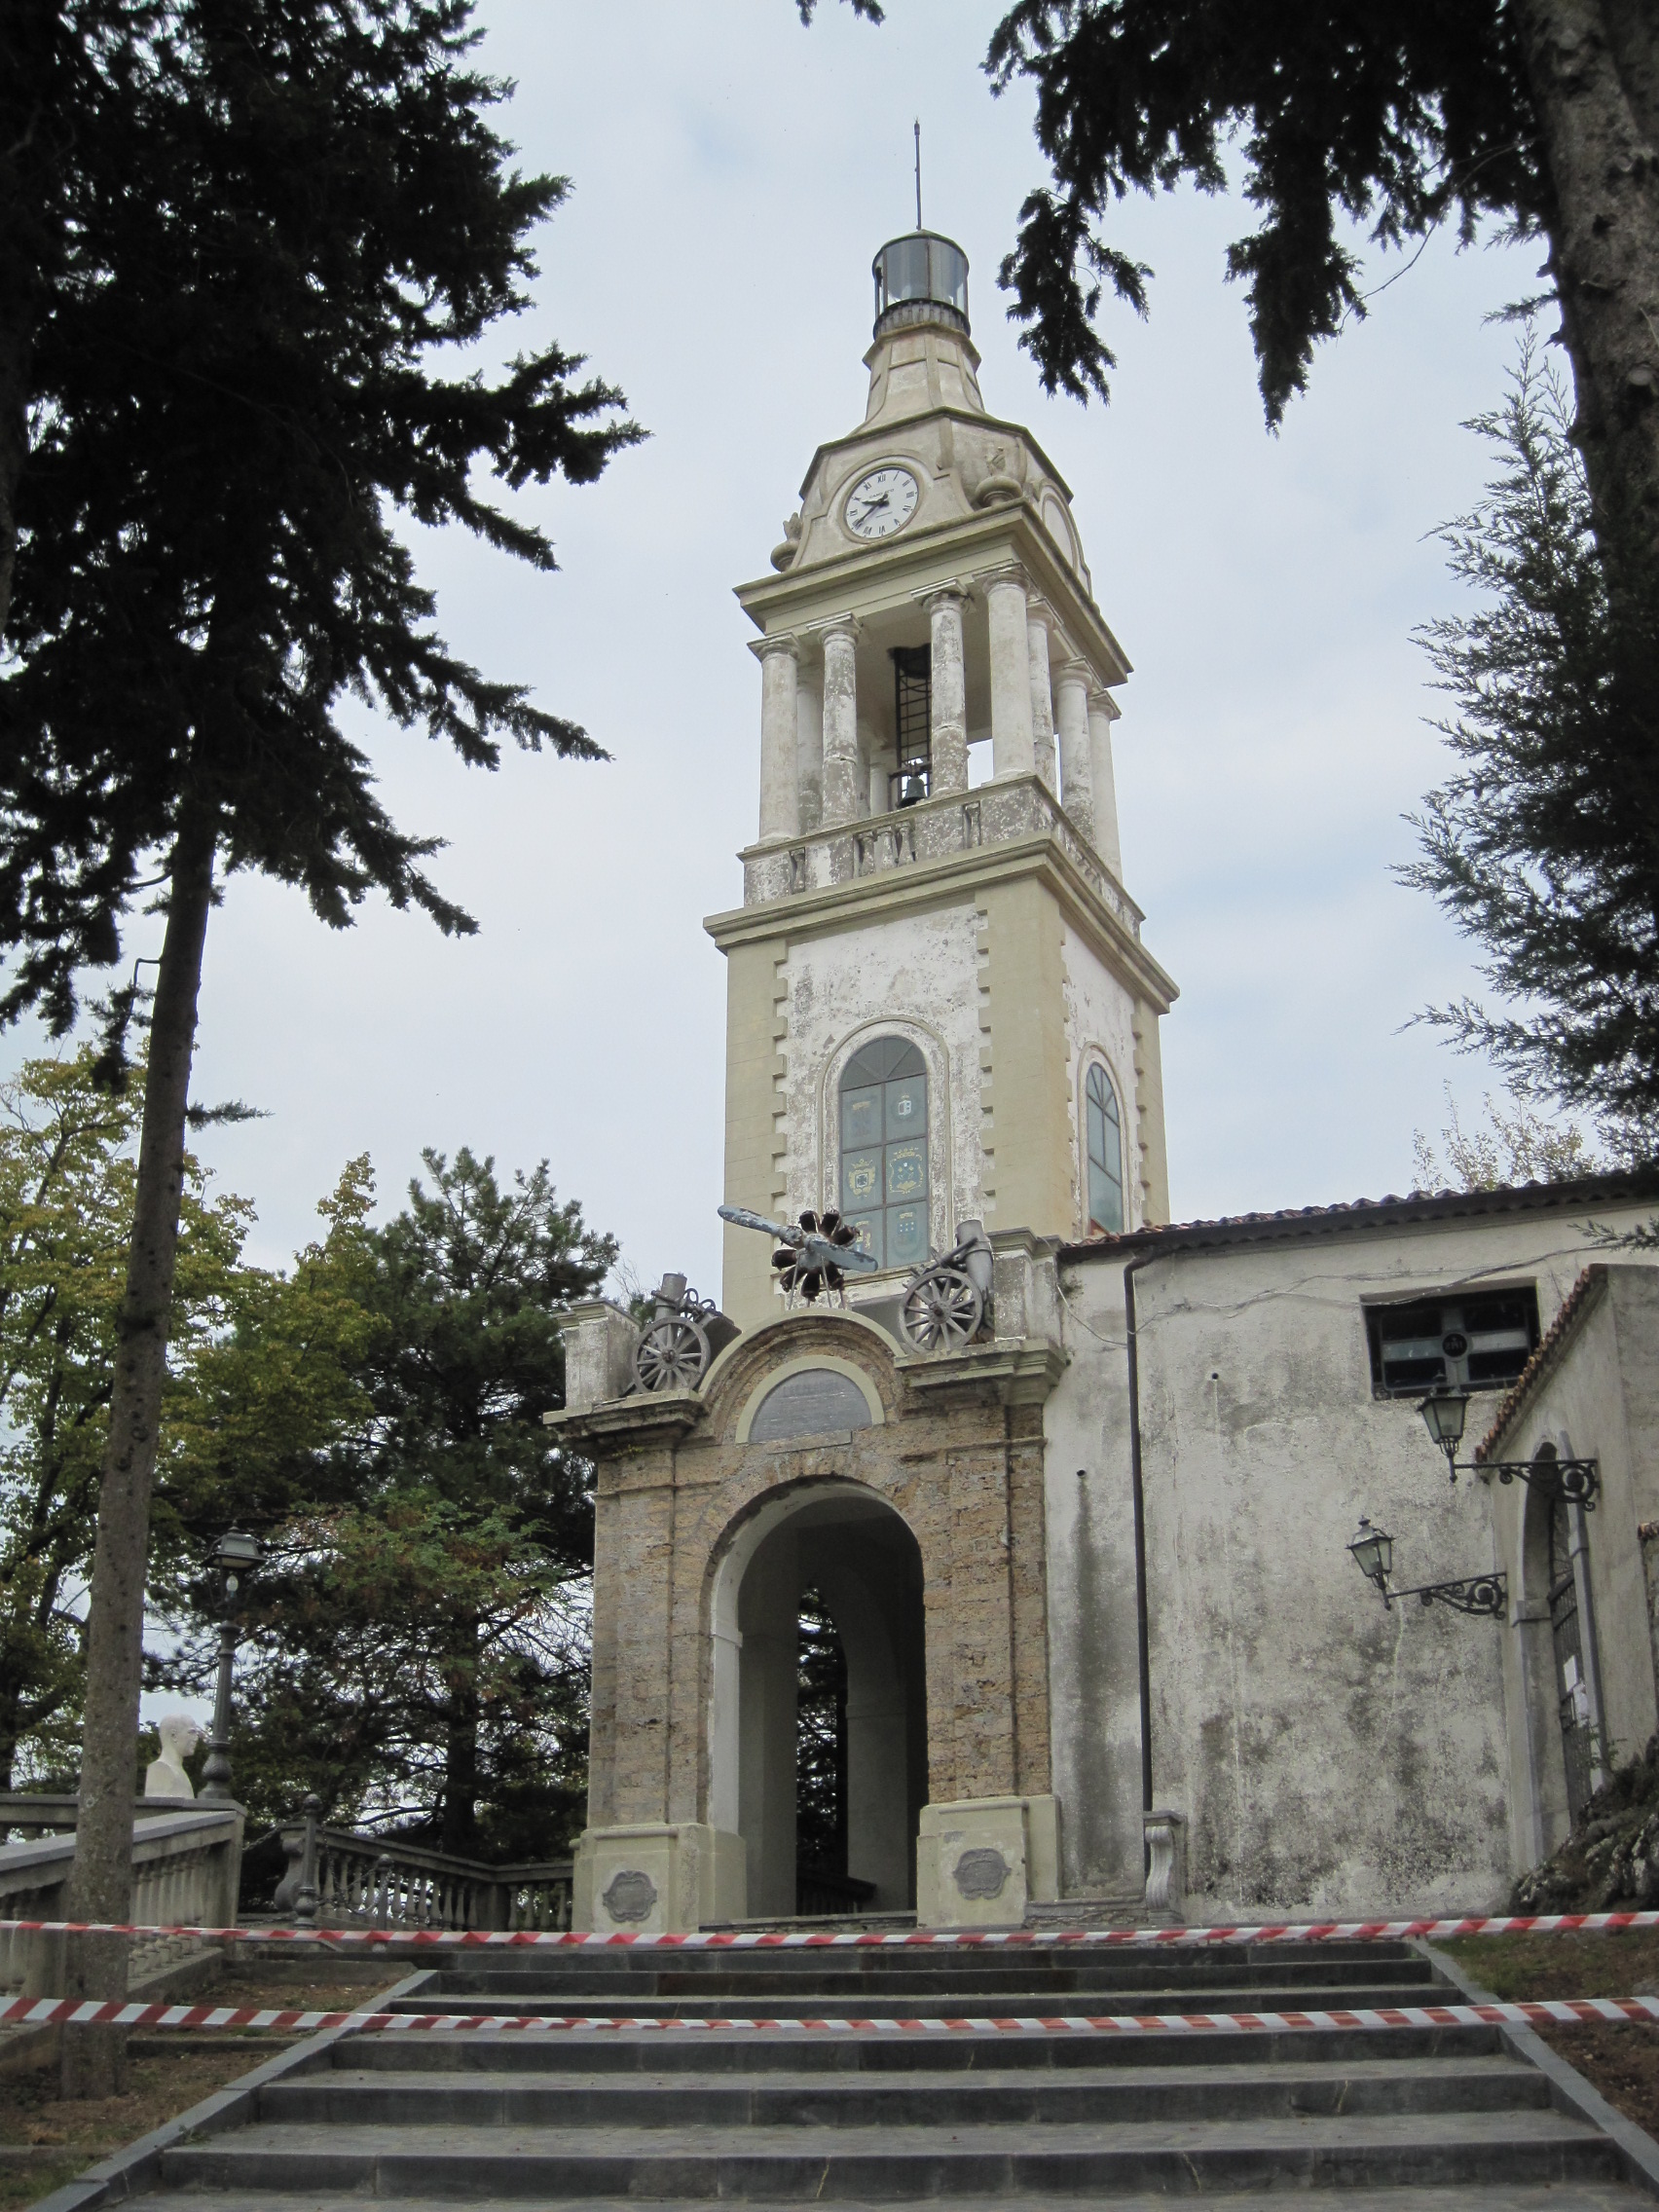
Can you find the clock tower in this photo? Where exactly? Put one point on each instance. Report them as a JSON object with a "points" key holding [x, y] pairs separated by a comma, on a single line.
{"points": [[939, 1006]]}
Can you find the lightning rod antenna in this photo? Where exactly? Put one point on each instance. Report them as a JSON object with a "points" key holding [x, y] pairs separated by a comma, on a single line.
{"points": [[918, 127]]}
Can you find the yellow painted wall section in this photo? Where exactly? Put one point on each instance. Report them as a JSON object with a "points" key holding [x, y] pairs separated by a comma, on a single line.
{"points": [[752, 1062], [1149, 1114], [1029, 1173]]}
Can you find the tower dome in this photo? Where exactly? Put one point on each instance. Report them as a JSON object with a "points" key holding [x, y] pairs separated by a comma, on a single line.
{"points": [[920, 277]]}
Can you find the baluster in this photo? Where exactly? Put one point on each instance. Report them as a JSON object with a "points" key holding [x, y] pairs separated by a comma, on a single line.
{"points": [[305, 1887]]}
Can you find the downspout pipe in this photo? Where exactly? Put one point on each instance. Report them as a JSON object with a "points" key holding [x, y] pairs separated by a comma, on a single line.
{"points": [[1137, 1494]]}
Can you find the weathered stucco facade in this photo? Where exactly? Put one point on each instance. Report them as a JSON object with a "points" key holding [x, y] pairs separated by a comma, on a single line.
{"points": [[1325, 1754]]}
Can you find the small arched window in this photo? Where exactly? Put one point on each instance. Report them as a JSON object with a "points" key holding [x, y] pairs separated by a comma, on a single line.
{"points": [[884, 1151], [1105, 1154]]}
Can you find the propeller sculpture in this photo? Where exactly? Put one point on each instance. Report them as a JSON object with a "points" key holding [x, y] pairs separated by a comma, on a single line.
{"points": [[812, 1258]]}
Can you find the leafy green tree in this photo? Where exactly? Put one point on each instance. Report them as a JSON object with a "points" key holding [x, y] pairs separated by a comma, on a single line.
{"points": [[66, 1175], [259, 1404], [419, 1644], [1543, 846], [249, 361], [1519, 1144], [1540, 117]]}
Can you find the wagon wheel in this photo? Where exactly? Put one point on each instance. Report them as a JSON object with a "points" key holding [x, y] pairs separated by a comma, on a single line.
{"points": [[672, 1354], [941, 1310]]}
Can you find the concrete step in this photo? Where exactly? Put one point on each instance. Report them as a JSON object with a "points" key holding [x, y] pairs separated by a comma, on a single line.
{"points": [[375, 2097], [890, 2005], [680, 2051], [1548, 2196], [1397, 2150], [1111, 1976]]}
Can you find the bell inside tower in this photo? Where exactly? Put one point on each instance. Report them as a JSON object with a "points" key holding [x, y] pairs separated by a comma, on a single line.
{"points": [[913, 714]]}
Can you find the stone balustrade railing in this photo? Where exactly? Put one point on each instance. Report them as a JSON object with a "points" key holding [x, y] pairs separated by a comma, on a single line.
{"points": [[186, 1865], [990, 814], [337, 1878]]}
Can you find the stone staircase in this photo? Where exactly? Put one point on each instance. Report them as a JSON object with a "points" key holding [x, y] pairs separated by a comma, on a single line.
{"points": [[1399, 2118]]}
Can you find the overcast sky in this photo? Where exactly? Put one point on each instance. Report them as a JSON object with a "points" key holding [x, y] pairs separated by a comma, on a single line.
{"points": [[732, 175]]}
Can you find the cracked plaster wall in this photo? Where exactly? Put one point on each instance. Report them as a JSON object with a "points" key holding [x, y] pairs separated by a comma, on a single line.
{"points": [[1329, 1756]]}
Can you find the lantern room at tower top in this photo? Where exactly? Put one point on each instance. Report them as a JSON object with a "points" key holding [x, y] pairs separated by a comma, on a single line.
{"points": [[938, 861]]}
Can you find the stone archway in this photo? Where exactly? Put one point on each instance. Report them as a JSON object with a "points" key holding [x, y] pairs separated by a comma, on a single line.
{"points": [[874, 1466], [843, 1543]]}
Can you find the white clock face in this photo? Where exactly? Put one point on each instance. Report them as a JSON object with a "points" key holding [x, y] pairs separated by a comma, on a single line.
{"points": [[882, 502]]}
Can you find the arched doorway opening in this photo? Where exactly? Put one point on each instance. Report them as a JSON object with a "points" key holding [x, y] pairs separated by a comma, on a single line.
{"points": [[819, 1725]]}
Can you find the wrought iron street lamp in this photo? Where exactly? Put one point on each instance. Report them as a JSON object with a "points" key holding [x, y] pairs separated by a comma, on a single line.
{"points": [[1373, 1552], [1445, 1413], [236, 1555]]}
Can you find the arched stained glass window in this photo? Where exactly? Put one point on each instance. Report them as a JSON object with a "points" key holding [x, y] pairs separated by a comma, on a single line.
{"points": [[884, 1151], [1105, 1155]]}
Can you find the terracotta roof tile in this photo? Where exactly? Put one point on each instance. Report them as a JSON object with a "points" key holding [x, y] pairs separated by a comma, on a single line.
{"points": [[1291, 1223]]}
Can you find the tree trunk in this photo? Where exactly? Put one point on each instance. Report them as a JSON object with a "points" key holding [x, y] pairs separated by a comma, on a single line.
{"points": [[11, 1723], [102, 1886], [1594, 71], [14, 351], [460, 1831]]}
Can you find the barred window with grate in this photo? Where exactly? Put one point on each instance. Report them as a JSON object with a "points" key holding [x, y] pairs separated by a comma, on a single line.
{"points": [[1462, 1341]]}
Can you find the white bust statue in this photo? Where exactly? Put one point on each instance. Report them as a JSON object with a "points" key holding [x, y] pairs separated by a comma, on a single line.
{"points": [[165, 1777]]}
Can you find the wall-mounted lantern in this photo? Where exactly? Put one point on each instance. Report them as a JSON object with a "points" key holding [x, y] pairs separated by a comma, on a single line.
{"points": [[236, 1555], [1373, 1551], [1443, 1414]]}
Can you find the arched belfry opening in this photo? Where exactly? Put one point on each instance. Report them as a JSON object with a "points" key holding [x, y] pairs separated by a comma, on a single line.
{"points": [[819, 1744]]}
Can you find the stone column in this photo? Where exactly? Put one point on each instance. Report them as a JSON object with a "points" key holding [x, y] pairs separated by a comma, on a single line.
{"points": [[1077, 781], [809, 748], [947, 694], [1038, 623], [780, 790], [1012, 751], [1103, 714], [841, 774]]}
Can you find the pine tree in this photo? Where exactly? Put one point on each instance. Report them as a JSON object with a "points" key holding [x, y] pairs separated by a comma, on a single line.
{"points": [[1544, 846], [243, 371]]}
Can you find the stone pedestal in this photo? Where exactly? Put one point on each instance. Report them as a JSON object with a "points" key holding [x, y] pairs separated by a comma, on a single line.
{"points": [[598, 1354], [981, 1862], [657, 1878]]}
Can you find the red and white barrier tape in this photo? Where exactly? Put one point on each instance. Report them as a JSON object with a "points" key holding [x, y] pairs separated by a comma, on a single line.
{"points": [[69, 2010], [806, 1939]]}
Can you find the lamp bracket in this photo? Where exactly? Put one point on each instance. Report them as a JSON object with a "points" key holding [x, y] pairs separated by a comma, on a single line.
{"points": [[1486, 1594], [1579, 1481]]}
